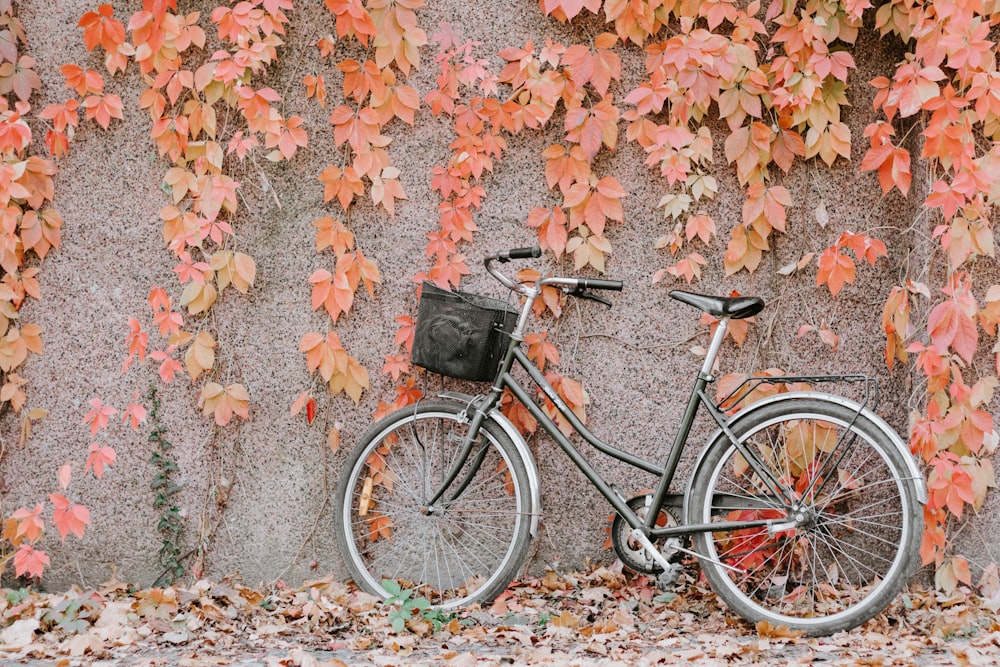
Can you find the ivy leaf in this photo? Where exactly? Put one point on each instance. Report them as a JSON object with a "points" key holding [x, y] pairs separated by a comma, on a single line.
{"points": [[65, 476], [588, 249], [395, 366], [200, 356], [103, 108], [30, 561], [168, 365], [835, 269], [688, 268], [19, 78], [541, 350], [593, 127], [344, 185], [30, 524], [100, 29], [551, 226], [98, 415], [745, 250], [98, 457], [701, 226], [950, 326], [69, 517], [564, 10], [224, 402]]}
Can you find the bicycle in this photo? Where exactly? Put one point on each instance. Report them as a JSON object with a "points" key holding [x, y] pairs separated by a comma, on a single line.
{"points": [[803, 509]]}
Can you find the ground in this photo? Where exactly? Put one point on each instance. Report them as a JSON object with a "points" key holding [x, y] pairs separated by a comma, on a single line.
{"points": [[602, 617]]}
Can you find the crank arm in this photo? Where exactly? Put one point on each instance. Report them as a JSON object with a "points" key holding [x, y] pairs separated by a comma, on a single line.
{"points": [[661, 560]]}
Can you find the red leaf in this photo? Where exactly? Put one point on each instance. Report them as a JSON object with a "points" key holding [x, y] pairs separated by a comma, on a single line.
{"points": [[69, 517], [949, 326], [98, 458], [30, 561]]}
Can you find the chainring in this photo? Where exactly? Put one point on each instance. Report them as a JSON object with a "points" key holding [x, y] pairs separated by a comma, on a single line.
{"points": [[631, 553]]}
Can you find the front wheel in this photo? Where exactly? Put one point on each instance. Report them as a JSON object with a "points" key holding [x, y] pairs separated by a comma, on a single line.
{"points": [[469, 545], [845, 512]]}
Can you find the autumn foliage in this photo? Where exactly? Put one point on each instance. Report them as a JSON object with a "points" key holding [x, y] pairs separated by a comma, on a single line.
{"points": [[759, 87]]}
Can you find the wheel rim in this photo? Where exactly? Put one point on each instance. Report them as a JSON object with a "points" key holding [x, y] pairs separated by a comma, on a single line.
{"points": [[450, 556], [850, 532]]}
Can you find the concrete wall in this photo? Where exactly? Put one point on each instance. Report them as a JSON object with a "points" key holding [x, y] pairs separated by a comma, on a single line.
{"points": [[262, 490]]}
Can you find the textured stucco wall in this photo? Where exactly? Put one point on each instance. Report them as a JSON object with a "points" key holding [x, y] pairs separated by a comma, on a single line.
{"points": [[277, 518]]}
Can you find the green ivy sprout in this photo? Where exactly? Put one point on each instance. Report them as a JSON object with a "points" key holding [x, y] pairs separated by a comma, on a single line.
{"points": [[407, 606]]}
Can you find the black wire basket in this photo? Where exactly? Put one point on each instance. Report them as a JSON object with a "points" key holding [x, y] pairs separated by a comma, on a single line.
{"points": [[461, 335]]}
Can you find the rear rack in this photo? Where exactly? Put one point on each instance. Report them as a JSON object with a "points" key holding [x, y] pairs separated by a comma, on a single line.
{"points": [[745, 388]]}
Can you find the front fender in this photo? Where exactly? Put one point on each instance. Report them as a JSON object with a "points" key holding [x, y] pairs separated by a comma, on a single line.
{"points": [[911, 463], [521, 445]]}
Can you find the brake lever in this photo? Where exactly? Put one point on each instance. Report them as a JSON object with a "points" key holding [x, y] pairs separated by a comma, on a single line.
{"points": [[584, 294]]}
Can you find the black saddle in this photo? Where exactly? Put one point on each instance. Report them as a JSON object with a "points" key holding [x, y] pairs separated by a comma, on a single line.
{"points": [[721, 306]]}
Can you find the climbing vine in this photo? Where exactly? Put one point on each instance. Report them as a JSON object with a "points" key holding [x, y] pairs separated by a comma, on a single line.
{"points": [[780, 104], [31, 228], [763, 87]]}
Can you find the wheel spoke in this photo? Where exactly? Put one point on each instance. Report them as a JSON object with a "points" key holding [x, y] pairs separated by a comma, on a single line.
{"points": [[475, 540], [855, 527]]}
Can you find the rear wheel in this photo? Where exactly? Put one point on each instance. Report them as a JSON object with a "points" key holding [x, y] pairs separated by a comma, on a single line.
{"points": [[462, 550], [848, 517]]}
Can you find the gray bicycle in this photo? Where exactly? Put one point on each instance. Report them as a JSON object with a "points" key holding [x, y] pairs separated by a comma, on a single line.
{"points": [[803, 509]]}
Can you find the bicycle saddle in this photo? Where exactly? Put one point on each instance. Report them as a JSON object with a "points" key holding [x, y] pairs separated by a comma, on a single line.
{"points": [[721, 306]]}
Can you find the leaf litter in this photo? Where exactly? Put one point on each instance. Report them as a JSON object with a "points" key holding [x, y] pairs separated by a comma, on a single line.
{"points": [[600, 617]]}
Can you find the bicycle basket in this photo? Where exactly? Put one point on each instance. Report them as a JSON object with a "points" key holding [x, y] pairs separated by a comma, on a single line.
{"points": [[461, 335]]}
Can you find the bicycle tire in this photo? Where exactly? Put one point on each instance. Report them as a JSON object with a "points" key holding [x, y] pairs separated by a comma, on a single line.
{"points": [[859, 543], [451, 557]]}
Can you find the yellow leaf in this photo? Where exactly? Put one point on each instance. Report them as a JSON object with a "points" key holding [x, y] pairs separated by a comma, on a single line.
{"points": [[198, 297], [245, 271], [223, 403], [200, 357], [566, 620], [364, 504], [221, 263]]}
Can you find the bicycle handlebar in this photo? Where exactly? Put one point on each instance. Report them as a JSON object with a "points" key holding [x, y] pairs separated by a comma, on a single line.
{"points": [[569, 284], [519, 253], [595, 283]]}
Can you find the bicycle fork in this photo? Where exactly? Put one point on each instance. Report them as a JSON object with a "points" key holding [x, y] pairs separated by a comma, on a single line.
{"points": [[468, 443]]}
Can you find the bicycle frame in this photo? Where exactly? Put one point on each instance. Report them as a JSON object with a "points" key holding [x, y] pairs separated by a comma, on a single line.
{"points": [[661, 495]]}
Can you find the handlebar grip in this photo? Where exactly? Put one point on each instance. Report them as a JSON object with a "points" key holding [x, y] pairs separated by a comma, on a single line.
{"points": [[596, 283], [521, 253]]}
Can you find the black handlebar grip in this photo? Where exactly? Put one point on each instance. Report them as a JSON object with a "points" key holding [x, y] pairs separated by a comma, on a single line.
{"points": [[596, 283], [522, 253]]}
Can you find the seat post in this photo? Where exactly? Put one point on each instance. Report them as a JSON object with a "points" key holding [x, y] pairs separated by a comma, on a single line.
{"points": [[713, 349]]}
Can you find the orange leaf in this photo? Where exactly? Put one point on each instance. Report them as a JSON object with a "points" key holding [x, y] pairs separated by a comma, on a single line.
{"points": [[103, 108], [300, 402], [98, 415], [331, 233], [395, 366], [551, 226], [835, 269], [200, 357], [30, 524], [593, 127], [100, 29]]}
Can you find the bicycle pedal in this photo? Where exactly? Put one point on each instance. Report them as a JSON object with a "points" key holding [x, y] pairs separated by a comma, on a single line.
{"points": [[665, 580]]}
